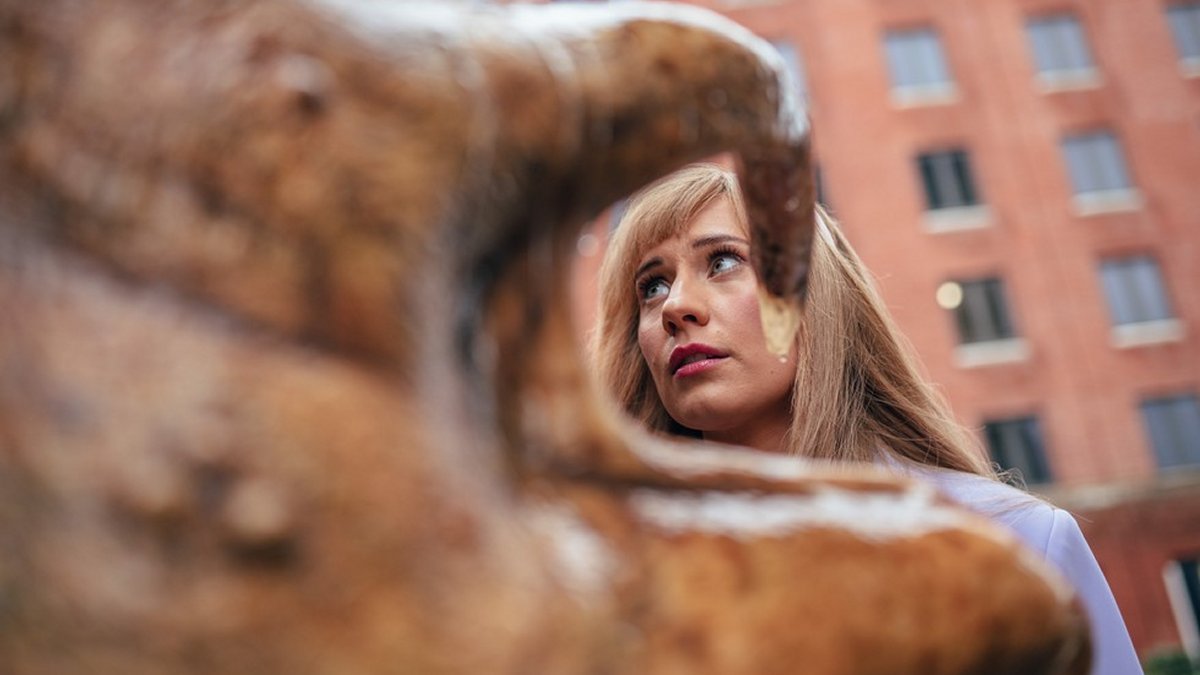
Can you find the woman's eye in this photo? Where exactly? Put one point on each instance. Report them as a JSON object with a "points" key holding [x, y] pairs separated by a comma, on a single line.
{"points": [[653, 288], [723, 262]]}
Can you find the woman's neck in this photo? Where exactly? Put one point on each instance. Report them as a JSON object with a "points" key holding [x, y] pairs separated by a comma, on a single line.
{"points": [[767, 435]]}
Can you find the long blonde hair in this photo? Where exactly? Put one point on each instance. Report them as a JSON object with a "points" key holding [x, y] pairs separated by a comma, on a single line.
{"points": [[858, 394]]}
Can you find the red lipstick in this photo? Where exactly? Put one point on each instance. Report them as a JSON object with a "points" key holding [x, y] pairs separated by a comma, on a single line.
{"points": [[693, 358]]}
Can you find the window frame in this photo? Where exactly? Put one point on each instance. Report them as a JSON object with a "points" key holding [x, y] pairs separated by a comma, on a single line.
{"points": [[1180, 37], [918, 69], [1062, 54], [1098, 172], [948, 170], [1096, 144], [1184, 444], [995, 317], [1135, 289], [1181, 577], [1032, 447]]}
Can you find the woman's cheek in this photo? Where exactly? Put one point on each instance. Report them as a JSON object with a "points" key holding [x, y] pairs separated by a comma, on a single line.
{"points": [[648, 343], [747, 314]]}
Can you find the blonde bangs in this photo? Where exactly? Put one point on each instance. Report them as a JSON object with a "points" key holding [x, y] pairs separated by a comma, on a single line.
{"points": [[666, 208]]}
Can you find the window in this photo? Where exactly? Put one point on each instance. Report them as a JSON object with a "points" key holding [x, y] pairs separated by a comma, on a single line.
{"points": [[946, 177], [791, 61], [1095, 162], [986, 334], [980, 310], [1185, 27], [1060, 49], [1016, 444], [917, 65], [1134, 288], [1173, 424], [1182, 579]]}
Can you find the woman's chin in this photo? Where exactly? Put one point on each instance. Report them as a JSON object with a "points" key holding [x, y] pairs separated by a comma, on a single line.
{"points": [[706, 421]]}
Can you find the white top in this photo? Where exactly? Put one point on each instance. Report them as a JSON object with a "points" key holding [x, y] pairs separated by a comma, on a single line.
{"points": [[1054, 534]]}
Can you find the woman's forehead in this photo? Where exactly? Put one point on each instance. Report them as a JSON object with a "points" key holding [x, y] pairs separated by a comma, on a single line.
{"points": [[719, 217], [715, 220]]}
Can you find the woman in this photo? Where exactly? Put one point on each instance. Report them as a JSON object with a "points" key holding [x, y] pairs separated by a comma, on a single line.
{"points": [[680, 344]]}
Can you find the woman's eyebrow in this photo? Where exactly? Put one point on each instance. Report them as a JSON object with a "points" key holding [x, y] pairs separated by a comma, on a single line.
{"points": [[647, 266], [704, 242]]}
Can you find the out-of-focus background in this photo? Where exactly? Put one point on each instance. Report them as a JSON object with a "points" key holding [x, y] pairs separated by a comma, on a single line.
{"points": [[1023, 177]]}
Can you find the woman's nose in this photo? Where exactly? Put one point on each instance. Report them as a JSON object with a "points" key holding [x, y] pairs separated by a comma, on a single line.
{"points": [[685, 305]]}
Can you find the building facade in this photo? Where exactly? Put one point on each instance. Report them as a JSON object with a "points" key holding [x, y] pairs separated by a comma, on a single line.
{"points": [[1023, 177]]}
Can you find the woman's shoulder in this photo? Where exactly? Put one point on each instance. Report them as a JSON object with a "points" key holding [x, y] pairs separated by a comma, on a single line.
{"points": [[1054, 533], [1041, 526], [1035, 521]]}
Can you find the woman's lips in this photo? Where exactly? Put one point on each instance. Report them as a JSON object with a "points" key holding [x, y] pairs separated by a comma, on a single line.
{"points": [[693, 358], [696, 367]]}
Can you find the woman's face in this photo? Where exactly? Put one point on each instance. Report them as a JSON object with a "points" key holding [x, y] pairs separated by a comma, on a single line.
{"points": [[700, 333]]}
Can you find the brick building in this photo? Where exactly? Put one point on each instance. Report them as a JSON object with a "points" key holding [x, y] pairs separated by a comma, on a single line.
{"points": [[1023, 177]]}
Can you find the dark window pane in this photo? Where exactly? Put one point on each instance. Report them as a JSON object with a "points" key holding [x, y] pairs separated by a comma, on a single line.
{"points": [[976, 305], [1173, 425], [1095, 162], [1121, 304], [899, 63], [943, 173], [946, 178], [1185, 27], [933, 197], [998, 308], [983, 314], [1135, 290], [1109, 161], [1190, 571], [962, 178], [1016, 444], [1076, 55], [932, 64], [1147, 284], [1080, 166], [1043, 46], [1059, 44], [915, 58]]}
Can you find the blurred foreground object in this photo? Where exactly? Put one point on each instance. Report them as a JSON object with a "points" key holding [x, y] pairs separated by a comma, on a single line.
{"points": [[287, 380]]}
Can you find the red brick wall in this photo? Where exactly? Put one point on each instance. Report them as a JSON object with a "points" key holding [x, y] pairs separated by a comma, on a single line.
{"points": [[1134, 542], [1085, 391]]}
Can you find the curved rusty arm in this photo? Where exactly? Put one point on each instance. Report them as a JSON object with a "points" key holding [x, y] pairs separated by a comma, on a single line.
{"points": [[641, 89], [587, 105]]}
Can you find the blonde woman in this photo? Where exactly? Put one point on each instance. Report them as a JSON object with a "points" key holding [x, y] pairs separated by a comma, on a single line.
{"points": [[680, 345]]}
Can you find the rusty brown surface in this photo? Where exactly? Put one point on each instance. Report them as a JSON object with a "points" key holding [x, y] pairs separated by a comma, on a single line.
{"points": [[288, 384]]}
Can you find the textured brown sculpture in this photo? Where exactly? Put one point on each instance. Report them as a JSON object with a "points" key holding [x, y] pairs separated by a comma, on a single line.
{"points": [[287, 380]]}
